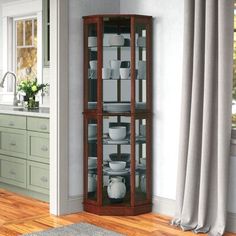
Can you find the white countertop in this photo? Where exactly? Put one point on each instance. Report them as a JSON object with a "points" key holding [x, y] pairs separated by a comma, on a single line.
{"points": [[11, 110]]}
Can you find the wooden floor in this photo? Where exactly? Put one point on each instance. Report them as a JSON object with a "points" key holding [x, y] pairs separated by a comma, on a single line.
{"points": [[21, 215]]}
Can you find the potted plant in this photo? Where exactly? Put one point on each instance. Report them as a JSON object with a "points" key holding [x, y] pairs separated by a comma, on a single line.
{"points": [[29, 89]]}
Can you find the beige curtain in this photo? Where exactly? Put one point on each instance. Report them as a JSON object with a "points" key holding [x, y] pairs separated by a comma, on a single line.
{"points": [[206, 116]]}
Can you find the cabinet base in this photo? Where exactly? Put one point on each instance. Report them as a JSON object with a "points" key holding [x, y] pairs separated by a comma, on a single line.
{"points": [[117, 210]]}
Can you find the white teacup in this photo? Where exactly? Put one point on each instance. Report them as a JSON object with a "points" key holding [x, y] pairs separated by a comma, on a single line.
{"points": [[124, 73], [142, 70], [93, 64], [92, 41], [106, 73], [115, 73], [115, 64]]}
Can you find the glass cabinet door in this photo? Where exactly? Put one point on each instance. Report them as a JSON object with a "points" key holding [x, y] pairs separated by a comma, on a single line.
{"points": [[141, 157], [116, 64], [141, 66], [91, 56], [91, 153], [116, 160]]}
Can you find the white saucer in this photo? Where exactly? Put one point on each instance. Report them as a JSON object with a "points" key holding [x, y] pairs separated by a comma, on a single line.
{"points": [[125, 141], [113, 172]]}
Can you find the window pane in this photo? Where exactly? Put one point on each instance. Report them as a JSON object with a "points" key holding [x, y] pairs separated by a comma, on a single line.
{"points": [[35, 33], [19, 29], [26, 63], [28, 32]]}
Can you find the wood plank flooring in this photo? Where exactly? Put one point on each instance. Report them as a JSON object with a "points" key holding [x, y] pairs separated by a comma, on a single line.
{"points": [[21, 215]]}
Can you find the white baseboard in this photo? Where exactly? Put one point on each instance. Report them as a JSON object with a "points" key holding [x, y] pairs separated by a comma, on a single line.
{"points": [[75, 204], [165, 206]]}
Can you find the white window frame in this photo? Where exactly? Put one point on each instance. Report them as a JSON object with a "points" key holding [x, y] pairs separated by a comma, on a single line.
{"points": [[11, 12]]}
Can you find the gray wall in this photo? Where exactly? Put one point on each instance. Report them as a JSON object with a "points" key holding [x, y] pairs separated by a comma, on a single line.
{"points": [[77, 9]]}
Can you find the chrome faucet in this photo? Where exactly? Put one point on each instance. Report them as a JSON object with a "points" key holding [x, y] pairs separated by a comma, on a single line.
{"points": [[15, 101]]}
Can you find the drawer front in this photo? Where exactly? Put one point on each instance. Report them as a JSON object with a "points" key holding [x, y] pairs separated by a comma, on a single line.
{"points": [[13, 142], [13, 171], [38, 147], [38, 177], [38, 124], [11, 121]]}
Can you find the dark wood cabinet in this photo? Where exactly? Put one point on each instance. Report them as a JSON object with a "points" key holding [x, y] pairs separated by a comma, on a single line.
{"points": [[117, 114]]}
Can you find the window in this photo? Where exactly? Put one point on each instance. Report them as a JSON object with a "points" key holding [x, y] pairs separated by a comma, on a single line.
{"points": [[26, 48]]}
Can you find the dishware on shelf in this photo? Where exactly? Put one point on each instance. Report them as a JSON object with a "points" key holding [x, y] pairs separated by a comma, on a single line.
{"points": [[92, 161], [143, 161], [92, 183], [93, 64], [116, 40], [116, 107], [92, 74], [125, 64], [124, 141], [141, 42], [115, 64], [124, 73], [115, 73], [92, 41], [117, 165], [141, 69], [127, 42], [92, 130], [140, 105], [117, 133], [143, 183], [106, 73], [143, 130], [119, 157], [109, 171], [116, 188]]}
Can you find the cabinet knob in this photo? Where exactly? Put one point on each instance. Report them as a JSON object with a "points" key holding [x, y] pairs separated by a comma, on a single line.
{"points": [[12, 172], [44, 179], [44, 148], [13, 143], [11, 123], [43, 127]]}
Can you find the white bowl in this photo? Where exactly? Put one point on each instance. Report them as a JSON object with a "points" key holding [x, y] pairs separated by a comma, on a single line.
{"points": [[92, 161], [143, 161], [116, 40], [92, 130], [92, 41], [117, 132], [117, 165]]}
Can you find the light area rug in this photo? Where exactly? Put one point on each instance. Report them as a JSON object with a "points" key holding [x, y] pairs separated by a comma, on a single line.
{"points": [[80, 229]]}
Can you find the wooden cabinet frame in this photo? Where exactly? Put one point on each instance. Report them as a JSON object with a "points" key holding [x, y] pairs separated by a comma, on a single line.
{"points": [[98, 114]]}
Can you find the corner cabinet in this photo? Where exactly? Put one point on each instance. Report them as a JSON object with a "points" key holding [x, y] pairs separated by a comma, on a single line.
{"points": [[117, 114]]}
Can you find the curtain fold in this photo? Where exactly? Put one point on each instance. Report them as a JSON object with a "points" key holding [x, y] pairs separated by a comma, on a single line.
{"points": [[205, 134]]}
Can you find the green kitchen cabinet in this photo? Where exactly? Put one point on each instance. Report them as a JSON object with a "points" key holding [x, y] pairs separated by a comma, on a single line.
{"points": [[24, 155], [38, 177], [38, 147], [13, 171], [13, 142]]}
